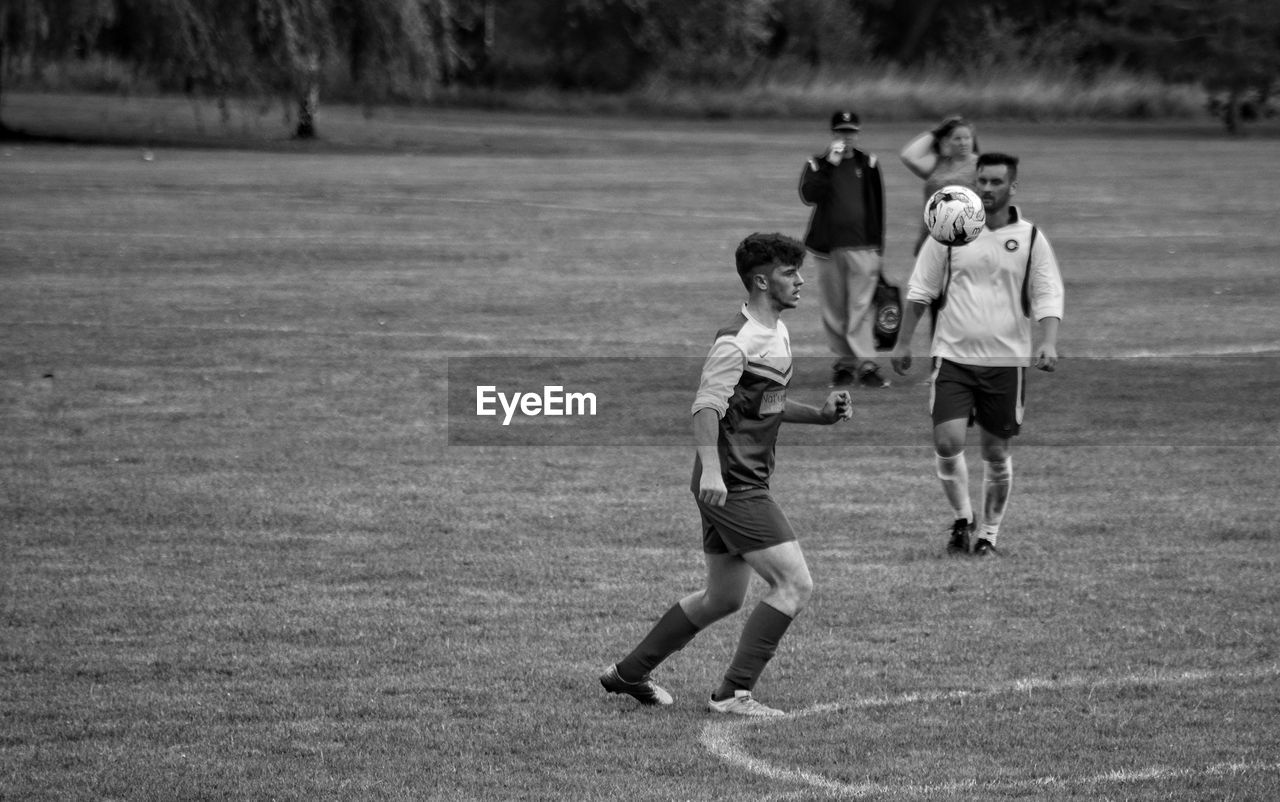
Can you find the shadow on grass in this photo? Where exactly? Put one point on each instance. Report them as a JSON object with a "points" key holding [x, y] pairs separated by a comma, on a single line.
{"points": [[134, 139]]}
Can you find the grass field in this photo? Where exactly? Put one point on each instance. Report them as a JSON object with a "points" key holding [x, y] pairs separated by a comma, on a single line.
{"points": [[245, 554]]}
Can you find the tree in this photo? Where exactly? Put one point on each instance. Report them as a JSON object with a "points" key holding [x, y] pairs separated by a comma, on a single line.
{"points": [[816, 34], [32, 30], [226, 46], [1231, 47], [293, 39], [1241, 46]]}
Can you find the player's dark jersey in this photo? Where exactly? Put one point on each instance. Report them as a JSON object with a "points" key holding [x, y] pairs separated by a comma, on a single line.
{"points": [[744, 379]]}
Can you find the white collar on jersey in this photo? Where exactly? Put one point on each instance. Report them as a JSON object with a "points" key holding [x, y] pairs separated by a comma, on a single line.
{"points": [[747, 313]]}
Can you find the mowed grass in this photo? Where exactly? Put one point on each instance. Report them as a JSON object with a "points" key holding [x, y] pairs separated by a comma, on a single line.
{"points": [[240, 558]]}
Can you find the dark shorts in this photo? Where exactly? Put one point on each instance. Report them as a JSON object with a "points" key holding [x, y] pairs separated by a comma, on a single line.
{"points": [[748, 521], [993, 397]]}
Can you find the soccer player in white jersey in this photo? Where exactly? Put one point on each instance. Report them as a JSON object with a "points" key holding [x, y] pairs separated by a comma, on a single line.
{"points": [[741, 400], [991, 289]]}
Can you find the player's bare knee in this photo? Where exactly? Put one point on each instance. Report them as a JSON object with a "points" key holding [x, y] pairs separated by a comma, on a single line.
{"points": [[804, 590], [796, 590], [949, 440], [719, 606], [995, 452]]}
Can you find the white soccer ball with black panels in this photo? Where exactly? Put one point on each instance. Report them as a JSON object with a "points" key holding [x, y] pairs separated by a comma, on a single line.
{"points": [[954, 215]]}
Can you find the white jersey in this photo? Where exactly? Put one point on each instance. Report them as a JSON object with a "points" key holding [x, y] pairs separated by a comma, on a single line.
{"points": [[982, 322]]}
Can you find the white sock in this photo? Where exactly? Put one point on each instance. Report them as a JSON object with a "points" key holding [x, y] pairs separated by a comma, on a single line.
{"points": [[997, 481], [954, 473]]}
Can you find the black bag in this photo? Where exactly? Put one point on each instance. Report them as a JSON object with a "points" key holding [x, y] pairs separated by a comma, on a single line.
{"points": [[888, 315]]}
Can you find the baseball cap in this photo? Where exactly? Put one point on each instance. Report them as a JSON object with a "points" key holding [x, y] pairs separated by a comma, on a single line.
{"points": [[845, 121]]}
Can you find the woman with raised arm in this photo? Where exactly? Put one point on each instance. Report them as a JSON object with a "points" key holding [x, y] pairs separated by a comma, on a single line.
{"points": [[942, 156]]}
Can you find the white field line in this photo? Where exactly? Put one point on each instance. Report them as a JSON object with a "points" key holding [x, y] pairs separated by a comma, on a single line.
{"points": [[1251, 349], [722, 738], [1235, 349]]}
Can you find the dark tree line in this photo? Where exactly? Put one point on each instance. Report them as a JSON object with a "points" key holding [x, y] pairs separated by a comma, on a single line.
{"points": [[413, 49], [227, 47]]}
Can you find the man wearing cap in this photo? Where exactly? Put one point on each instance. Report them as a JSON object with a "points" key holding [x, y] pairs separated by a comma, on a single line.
{"points": [[846, 236]]}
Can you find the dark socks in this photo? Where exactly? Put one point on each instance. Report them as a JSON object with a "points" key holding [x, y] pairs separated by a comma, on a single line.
{"points": [[764, 629], [671, 634]]}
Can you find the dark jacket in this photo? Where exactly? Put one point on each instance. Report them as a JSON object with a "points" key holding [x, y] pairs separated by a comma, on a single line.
{"points": [[848, 203]]}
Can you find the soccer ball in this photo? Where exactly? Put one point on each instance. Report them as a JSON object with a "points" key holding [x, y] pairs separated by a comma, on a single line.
{"points": [[954, 215]]}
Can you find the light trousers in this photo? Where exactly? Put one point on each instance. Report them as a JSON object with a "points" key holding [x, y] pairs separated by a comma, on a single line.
{"points": [[847, 278]]}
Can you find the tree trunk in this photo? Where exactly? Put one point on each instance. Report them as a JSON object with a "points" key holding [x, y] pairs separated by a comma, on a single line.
{"points": [[308, 105], [4, 129], [309, 102], [921, 21], [490, 24]]}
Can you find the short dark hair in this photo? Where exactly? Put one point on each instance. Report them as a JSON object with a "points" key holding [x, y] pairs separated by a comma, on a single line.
{"points": [[766, 250], [1000, 158]]}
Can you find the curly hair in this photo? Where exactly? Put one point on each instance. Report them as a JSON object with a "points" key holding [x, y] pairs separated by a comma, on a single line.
{"points": [[765, 251]]}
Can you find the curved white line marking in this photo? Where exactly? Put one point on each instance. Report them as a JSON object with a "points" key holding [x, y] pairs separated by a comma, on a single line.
{"points": [[721, 738], [1239, 349], [1245, 349]]}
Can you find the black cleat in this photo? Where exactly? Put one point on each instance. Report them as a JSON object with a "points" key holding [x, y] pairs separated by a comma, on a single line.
{"points": [[841, 378], [869, 375], [985, 548], [961, 533], [646, 692]]}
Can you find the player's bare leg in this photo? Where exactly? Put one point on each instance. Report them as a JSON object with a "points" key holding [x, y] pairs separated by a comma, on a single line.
{"points": [[727, 579], [997, 481], [953, 472], [784, 568], [728, 576]]}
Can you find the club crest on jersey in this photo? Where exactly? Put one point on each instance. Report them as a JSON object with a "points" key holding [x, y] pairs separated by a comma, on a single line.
{"points": [[1011, 245]]}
